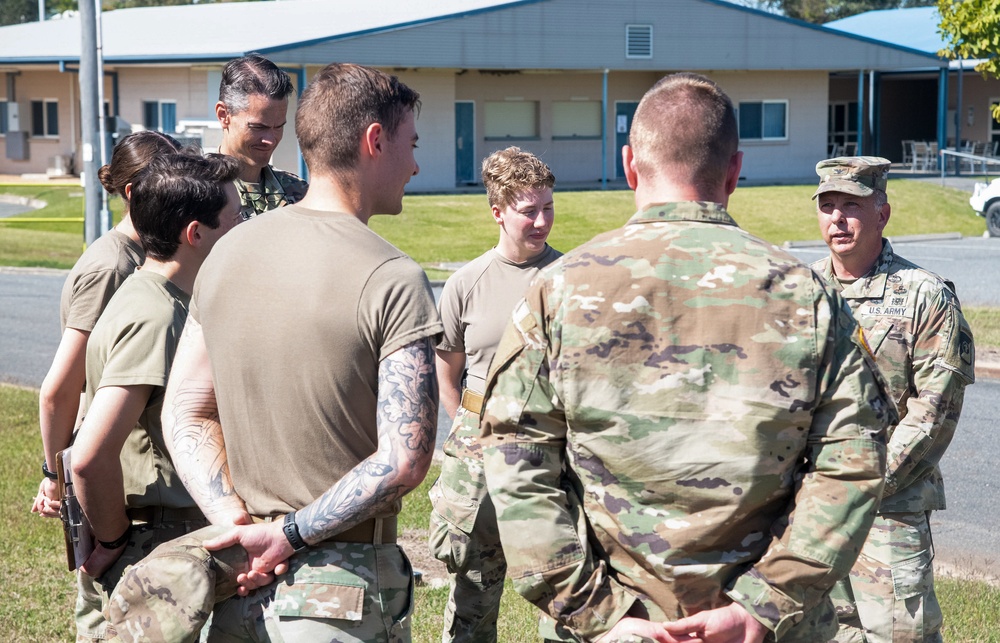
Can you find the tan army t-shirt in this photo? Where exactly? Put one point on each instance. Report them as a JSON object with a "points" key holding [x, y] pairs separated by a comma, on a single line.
{"points": [[298, 308], [133, 344], [95, 277], [476, 304]]}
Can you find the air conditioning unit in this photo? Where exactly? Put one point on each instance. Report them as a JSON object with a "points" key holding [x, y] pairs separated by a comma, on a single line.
{"points": [[17, 145], [60, 165]]}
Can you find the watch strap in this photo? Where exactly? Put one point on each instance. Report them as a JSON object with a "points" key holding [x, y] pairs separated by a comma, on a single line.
{"points": [[292, 533], [119, 541]]}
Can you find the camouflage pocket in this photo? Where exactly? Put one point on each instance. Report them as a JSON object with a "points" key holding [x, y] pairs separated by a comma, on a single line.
{"points": [[454, 507], [913, 576], [323, 592], [875, 335]]}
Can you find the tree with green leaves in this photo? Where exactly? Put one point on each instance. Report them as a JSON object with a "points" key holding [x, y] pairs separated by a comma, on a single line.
{"points": [[14, 12], [971, 31], [822, 11]]}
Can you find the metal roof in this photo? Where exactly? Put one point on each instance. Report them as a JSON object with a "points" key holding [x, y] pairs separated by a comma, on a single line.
{"points": [[913, 28], [697, 34], [213, 32]]}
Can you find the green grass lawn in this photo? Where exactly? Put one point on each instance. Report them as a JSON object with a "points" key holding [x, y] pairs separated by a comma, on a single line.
{"points": [[39, 597], [447, 228]]}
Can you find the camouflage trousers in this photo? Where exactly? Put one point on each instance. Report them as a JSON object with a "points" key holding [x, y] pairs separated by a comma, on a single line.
{"points": [[344, 592], [889, 595], [464, 536], [93, 593]]}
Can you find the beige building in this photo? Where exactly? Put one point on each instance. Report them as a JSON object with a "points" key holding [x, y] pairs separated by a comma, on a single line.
{"points": [[558, 77]]}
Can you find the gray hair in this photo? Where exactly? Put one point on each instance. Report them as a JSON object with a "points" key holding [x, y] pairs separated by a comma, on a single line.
{"points": [[881, 198], [252, 74]]}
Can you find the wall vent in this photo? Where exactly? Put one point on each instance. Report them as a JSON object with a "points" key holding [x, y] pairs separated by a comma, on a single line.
{"points": [[638, 41]]}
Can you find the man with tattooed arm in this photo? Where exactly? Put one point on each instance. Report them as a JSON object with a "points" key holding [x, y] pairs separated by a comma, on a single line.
{"points": [[303, 405]]}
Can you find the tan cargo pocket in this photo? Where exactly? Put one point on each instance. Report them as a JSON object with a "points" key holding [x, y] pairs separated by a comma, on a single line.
{"points": [[913, 576], [321, 593], [455, 508]]}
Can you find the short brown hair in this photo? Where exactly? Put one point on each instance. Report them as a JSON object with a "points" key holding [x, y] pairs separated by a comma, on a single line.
{"points": [[338, 106], [685, 126], [130, 156], [508, 172]]}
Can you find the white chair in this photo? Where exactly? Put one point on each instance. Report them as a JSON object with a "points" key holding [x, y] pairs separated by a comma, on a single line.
{"points": [[908, 154], [919, 156]]}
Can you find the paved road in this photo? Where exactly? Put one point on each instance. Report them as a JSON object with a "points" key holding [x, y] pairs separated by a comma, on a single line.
{"points": [[965, 534], [971, 262]]}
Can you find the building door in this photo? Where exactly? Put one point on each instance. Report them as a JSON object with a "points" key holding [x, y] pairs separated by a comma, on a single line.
{"points": [[465, 144], [624, 111], [842, 129]]}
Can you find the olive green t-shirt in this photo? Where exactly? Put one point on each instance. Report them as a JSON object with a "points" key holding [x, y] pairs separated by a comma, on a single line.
{"points": [[133, 344], [95, 277], [476, 304], [298, 309]]}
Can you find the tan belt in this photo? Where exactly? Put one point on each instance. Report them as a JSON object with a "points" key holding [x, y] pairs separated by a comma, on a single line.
{"points": [[377, 531], [472, 401], [157, 515]]}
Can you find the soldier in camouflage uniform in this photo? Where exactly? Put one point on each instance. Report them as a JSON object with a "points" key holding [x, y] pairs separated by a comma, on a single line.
{"points": [[253, 108], [475, 305], [913, 324], [683, 433]]}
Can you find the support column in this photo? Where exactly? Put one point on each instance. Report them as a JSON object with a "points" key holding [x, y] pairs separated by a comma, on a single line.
{"points": [[604, 131], [89, 110], [942, 130], [861, 112]]}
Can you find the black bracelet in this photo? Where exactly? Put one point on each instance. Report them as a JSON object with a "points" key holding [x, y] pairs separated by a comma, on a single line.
{"points": [[45, 471], [119, 541], [292, 533]]}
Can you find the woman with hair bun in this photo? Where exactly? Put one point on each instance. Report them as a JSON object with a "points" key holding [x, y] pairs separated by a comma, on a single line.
{"points": [[94, 278]]}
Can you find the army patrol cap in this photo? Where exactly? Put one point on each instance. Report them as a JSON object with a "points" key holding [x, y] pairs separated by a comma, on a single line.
{"points": [[857, 175], [169, 594]]}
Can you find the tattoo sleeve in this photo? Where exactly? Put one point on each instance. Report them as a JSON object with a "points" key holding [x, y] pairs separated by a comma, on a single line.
{"points": [[193, 433], [407, 427]]}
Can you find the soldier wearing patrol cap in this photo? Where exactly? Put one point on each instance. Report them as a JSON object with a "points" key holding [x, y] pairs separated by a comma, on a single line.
{"points": [[913, 324], [252, 109]]}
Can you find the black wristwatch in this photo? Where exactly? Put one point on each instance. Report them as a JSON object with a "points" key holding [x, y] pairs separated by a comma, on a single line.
{"points": [[117, 542], [292, 533], [45, 471]]}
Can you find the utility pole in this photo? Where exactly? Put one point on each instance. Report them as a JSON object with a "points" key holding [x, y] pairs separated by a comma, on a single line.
{"points": [[89, 114]]}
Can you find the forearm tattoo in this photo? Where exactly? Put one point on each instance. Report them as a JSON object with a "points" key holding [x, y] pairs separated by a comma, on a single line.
{"points": [[407, 425], [198, 449]]}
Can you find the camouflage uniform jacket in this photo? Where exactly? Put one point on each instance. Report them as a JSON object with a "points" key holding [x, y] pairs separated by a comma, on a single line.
{"points": [[913, 324], [276, 189], [721, 430]]}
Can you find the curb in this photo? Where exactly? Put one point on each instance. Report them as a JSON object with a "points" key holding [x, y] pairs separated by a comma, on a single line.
{"points": [[30, 270], [935, 236], [988, 371]]}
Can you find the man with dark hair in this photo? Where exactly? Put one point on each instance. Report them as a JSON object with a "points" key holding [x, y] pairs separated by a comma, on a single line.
{"points": [[180, 205], [304, 396], [253, 109], [913, 323], [684, 438]]}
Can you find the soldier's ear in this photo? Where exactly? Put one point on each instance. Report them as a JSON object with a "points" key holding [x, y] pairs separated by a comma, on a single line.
{"points": [[733, 172], [883, 215], [628, 162], [222, 114]]}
